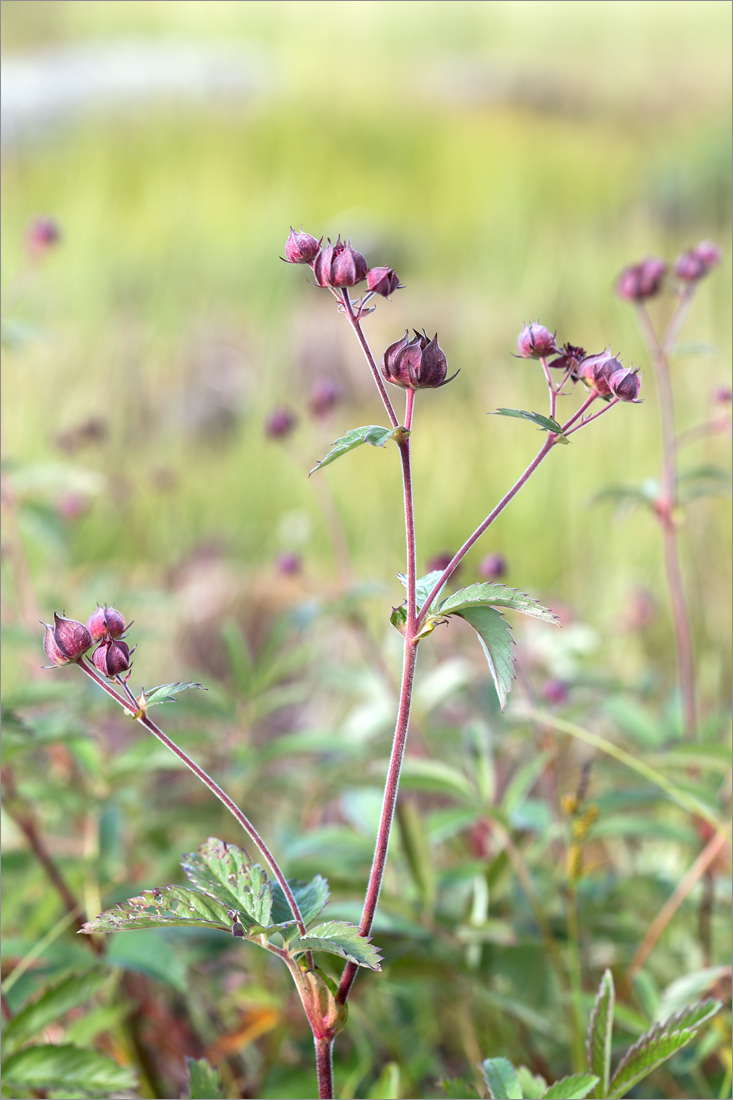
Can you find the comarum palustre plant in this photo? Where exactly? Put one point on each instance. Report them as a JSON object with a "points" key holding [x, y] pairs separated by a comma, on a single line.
{"points": [[228, 890]]}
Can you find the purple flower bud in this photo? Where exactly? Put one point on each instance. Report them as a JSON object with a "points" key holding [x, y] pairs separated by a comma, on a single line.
{"points": [[383, 280], [625, 384], [324, 396], [535, 341], [42, 235], [555, 691], [492, 567], [689, 267], [709, 253], [106, 621], [722, 395], [288, 564], [112, 657], [417, 363], [301, 248], [323, 261], [348, 267], [596, 370], [65, 641], [280, 423], [642, 280]]}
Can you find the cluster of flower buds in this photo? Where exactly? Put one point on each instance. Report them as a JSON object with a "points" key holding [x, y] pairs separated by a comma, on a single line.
{"points": [[604, 373], [67, 641], [338, 265], [416, 364], [645, 279]]}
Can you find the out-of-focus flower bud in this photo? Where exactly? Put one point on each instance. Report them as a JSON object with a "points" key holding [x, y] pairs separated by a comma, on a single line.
{"points": [[288, 564], [722, 395], [112, 657], [569, 358], [41, 236], [324, 396], [301, 248], [339, 265], [709, 253], [416, 364], [689, 267], [555, 692], [596, 370], [439, 562], [625, 384], [65, 641], [535, 341], [383, 280], [280, 423], [492, 567], [642, 280], [106, 621]]}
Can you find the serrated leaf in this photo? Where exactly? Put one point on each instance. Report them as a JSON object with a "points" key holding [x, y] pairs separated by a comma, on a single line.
{"points": [[659, 1044], [456, 1088], [546, 423], [501, 1079], [166, 693], [339, 938], [164, 907], [73, 1069], [52, 1004], [204, 1080], [312, 898], [225, 873], [600, 1028], [487, 594], [533, 1085], [575, 1087], [423, 586], [370, 433], [496, 641]]}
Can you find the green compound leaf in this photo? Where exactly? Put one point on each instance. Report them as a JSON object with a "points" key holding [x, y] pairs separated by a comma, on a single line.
{"points": [[164, 907], [66, 1069], [312, 898], [496, 595], [339, 938], [166, 693], [501, 1079], [496, 641], [53, 1003], [546, 423], [225, 873], [370, 433], [204, 1080], [600, 1028], [575, 1087], [658, 1044]]}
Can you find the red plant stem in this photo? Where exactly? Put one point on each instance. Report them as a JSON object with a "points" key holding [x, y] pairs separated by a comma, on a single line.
{"points": [[455, 561], [207, 781], [588, 419], [324, 1067], [659, 351], [354, 322]]}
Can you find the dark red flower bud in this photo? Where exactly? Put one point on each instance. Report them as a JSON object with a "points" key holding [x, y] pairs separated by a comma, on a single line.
{"points": [[492, 567], [625, 384], [42, 235], [569, 358], [689, 267], [383, 280], [323, 261], [280, 423], [288, 564], [65, 641], [722, 395], [709, 253], [596, 370], [106, 621], [348, 267], [112, 657], [324, 396], [642, 280], [555, 691], [301, 248], [535, 341], [417, 363]]}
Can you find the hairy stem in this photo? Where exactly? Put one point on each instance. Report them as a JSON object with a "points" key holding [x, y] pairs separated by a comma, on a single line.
{"points": [[659, 352], [356, 325], [324, 1067]]}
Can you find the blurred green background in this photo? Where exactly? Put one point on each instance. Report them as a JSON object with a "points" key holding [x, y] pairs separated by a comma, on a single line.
{"points": [[508, 159]]}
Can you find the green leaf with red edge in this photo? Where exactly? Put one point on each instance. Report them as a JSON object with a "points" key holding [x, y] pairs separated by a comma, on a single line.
{"points": [[369, 433], [501, 1079], [487, 594], [339, 938], [164, 907]]}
